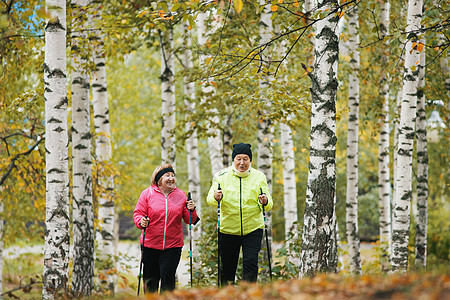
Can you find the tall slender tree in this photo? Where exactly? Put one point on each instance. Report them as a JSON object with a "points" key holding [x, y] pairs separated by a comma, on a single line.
{"points": [[384, 184], [289, 182], [289, 176], [265, 129], [215, 144], [318, 254], [57, 237], [403, 189], [422, 168], [83, 215], [167, 94], [103, 151], [352, 143], [193, 157]]}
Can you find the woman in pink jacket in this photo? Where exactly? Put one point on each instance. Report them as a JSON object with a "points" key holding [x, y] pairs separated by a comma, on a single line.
{"points": [[161, 208]]}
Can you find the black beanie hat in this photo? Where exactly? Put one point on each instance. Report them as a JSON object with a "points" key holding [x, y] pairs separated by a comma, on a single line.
{"points": [[242, 148]]}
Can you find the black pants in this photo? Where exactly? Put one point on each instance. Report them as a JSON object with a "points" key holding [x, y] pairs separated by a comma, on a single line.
{"points": [[229, 248], [160, 265]]}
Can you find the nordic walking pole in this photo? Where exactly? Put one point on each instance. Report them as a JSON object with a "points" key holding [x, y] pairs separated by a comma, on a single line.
{"points": [[190, 236], [142, 260], [218, 231], [267, 238]]}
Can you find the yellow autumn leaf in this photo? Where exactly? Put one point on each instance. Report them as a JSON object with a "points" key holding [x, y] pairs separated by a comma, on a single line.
{"points": [[296, 4], [208, 60], [273, 7], [238, 5]]}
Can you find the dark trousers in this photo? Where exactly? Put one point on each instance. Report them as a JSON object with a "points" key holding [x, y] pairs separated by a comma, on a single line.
{"points": [[229, 248], [160, 265]]}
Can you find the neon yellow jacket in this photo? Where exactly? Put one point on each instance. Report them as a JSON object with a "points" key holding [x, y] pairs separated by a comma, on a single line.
{"points": [[240, 209]]}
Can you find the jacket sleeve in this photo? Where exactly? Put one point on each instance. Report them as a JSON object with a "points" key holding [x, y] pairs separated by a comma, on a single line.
{"points": [[265, 189], [141, 208], [214, 185]]}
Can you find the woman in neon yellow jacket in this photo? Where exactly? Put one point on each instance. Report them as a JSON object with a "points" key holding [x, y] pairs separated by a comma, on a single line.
{"points": [[241, 192]]}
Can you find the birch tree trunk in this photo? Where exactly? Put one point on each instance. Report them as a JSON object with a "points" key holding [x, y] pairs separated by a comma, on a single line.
{"points": [[318, 252], [83, 215], [422, 169], [403, 190], [265, 131], [384, 192], [396, 121], [265, 134], [193, 157], [57, 237], [227, 137], [215, 144], [289, 182], [289, 179], [103, 151], [167, 96], [352, 144]]}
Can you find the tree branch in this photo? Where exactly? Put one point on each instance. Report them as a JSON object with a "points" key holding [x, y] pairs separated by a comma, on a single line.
{"points": [[13, 160]]}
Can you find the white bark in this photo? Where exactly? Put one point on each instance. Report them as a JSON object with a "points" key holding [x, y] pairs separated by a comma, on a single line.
{"points": [[57, 237], [193, 157], [422, 169], [397, 112], [352, 144], [318, 253], [384, 184], [265, 130], [289, 182], [103, 151], [167, 96], [83, 215], [215, 144], [403, 190], [227, 137]]}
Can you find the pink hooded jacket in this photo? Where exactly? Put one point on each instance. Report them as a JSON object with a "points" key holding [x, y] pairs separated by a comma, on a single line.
{"points": [[165, 213]]}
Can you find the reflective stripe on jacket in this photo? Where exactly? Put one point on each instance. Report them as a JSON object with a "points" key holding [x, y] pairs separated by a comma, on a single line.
{"points": [[240, 209], [165, 214]]}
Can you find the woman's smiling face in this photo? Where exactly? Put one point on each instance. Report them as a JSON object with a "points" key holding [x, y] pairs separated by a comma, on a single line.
{"points": [[167, 181]]}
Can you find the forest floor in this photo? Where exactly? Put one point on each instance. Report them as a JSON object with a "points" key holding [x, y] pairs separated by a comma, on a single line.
{"points": [[23, 263]]}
